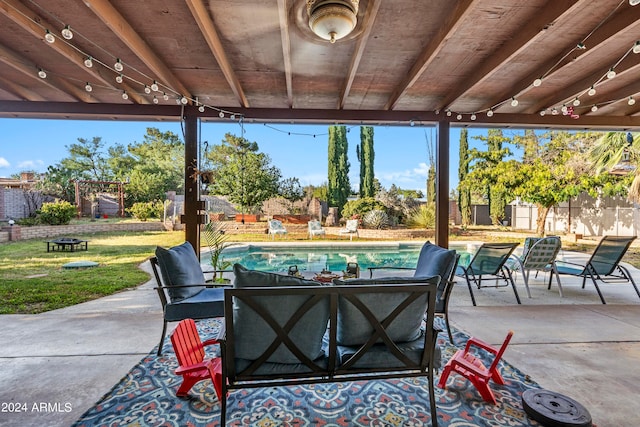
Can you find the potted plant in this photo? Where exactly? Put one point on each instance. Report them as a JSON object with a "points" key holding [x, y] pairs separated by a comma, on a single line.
{"points": [[217, 241]]}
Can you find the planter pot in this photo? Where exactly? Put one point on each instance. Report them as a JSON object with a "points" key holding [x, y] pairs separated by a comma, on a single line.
{"points": [[248, 217], [216, 216]]}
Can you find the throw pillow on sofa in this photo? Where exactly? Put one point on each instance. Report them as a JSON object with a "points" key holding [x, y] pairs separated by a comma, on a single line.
{"points": [[179, 266]]}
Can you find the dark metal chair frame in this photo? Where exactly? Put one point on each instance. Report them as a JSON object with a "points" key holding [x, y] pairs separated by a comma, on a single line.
{"points": [[331, 370]]}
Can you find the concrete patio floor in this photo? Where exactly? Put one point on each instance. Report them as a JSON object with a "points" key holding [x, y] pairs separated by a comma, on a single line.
{"points": [[56, 365]]}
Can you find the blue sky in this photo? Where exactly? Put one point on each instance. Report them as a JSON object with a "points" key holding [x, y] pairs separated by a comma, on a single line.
{"points": [[401, 152]]}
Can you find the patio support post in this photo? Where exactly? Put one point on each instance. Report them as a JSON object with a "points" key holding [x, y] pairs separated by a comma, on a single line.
{"points": [[442, 185], [191, 217]]}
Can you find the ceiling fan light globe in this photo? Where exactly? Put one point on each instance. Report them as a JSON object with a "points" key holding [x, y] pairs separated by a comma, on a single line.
{"points": [[332, 20]]}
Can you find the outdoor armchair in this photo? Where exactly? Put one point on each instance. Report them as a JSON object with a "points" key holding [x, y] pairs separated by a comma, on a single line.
{"points": [[604, 264], [350, 228], [434, 261], [488, 264], [539, 254], [315, 228], [276, 227], [182, 288]]}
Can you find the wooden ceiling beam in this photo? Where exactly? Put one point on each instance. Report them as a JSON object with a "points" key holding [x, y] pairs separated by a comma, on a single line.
{"points": [[283, 9], [361, 44], [623, 21], [112, 18], [454, 21], [551, 12], [36, 25], [20, 91], [28, 68], [631, 65], [210, 34]]}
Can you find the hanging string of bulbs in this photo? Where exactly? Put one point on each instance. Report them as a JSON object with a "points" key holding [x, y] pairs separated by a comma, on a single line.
{"points": [[591, 91]]}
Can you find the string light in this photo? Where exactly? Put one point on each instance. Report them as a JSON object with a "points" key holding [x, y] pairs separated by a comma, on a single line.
{"points": [[42, 74], [490, 113], [184, 100], [88, 62], [119, 78], [155, 99], [631, 101], [459, 117], [514, 101], [636, 47], [576, 102], [88, 87], [154, 86], [124, 95], [147, 90], [543, 113], [201, 108], [611, 73], [473, 117], [594, 108], [165, 96], [50, 38], [537, 82], [118, 65], [67, 33], [592, 91]]}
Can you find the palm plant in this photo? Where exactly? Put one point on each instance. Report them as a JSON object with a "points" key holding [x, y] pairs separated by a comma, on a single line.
{"points": [[619, 152], [217, 241]]}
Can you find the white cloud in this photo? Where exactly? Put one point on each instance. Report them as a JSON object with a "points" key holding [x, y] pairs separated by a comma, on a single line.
{"points": [[30, 165], [4, 163], [407, 176]]}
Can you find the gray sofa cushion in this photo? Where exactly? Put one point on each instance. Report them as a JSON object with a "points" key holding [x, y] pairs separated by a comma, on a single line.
{"points": [[434, 260], [179, 266], [207, 303], [254, 335], [253, 278], [354, 329]]}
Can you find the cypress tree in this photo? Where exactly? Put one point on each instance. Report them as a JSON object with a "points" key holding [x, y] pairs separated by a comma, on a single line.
{"points": [[464, 193], [338, 171], [366, 157]]}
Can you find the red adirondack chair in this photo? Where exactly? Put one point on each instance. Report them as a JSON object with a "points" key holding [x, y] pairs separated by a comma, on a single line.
{"points": [[472, 368], [190, 352]]}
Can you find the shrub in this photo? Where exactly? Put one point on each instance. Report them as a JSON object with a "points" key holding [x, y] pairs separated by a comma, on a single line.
{"points": [[56, 213], [361, 206], [375, 219], [423, 217], [145, 210]]}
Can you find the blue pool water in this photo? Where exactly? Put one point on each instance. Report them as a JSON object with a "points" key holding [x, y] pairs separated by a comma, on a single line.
{"points": [[316, 258]]}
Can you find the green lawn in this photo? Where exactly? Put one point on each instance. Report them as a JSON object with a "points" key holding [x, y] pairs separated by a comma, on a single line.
{"points": [[33, 280]]}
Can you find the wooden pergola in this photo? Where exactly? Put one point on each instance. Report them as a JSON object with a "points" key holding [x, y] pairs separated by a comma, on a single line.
{"points": [[569, 64]]}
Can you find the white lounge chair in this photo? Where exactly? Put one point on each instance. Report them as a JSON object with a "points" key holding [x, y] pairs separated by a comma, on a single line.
{"points": [[350, 228], [315, 228], [276, 227]]}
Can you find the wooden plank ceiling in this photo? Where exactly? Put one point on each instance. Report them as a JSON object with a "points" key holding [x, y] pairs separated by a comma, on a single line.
{"points": [[471, 62]]}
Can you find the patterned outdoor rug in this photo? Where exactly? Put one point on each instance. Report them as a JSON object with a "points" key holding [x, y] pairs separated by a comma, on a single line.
{"points": [[146, 397]]}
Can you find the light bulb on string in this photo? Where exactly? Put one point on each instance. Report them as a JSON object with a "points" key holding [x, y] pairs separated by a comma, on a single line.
{"points": [[67, 33], [50, 38], [88, 87], [221, 114], [473, 116], [42, 74], [490, 113], [155, 99], [125, 95], [147, 90], [576, 102], [611, 73], [592, 91], [514, 102], [184, 100], [233, 117], [459, 117], [636, 47], [201, 108], [119, 78], [154, 86], [537, 82], [564, 109], [543, 113], [88, 62], [631, 101], [165, 96], [118, 65], [594, 108], [449, 113]]}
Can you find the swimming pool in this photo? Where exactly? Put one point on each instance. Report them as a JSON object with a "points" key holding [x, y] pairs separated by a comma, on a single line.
{"points": [[332, 257]]}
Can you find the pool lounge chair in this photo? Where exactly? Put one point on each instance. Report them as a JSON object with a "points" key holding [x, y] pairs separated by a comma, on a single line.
{"points": [[604, 264], [350, 228], [488, 264], [276, 227], [539, 254], [315, 228]]}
